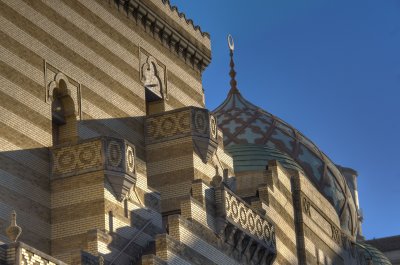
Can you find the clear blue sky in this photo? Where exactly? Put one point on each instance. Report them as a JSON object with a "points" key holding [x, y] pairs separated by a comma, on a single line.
{"points": [[329, 68]]}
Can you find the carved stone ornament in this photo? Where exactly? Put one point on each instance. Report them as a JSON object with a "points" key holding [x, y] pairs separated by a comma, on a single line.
{"points": [[13, 231], [307, 206], [130, 159], [153, 76], [213, 127], [150, 77], [336, 234], [56, 80]]}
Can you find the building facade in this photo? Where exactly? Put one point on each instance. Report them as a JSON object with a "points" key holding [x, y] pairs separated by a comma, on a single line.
{"points": [[109, 156]]}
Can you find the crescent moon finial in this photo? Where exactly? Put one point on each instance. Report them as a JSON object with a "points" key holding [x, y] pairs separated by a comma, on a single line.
{"points": [[231, 44], [232, 73]]}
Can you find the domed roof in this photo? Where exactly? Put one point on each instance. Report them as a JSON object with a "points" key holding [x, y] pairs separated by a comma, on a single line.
{"points": [[253, 157], [373, 254], [244, 124]]}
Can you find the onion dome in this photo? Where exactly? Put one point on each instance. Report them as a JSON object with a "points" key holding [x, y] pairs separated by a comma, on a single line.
{"points": [[246, 126], [251, 157], [372, 254]]}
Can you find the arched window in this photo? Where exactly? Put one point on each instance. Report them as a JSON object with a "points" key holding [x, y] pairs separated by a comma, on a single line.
{"points": [[64, 123]]}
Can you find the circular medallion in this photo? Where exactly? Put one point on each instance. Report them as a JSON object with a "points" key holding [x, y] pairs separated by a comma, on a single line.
{"points": [[66, 159], [213, 127], [200, 122], [251, 222], [167, 125], [114, 154], [267, 232], [235, 209], [242, 214], [87, 155], [130, 159], [227, 203], [259, 228]]}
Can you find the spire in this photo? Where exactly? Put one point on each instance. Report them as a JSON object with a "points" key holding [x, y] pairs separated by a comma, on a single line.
{"points": [[232, 73]]}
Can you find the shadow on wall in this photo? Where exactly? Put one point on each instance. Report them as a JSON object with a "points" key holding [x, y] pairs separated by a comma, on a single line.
{"points": [[130, 242], [25, 188]]}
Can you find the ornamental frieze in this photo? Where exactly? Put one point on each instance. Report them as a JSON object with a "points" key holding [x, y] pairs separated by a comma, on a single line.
{"points": [[248, 219], [193, 122], [115, 157]]}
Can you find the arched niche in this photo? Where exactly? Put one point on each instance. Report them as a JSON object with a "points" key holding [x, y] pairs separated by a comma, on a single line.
{"points": [[63, 111]]}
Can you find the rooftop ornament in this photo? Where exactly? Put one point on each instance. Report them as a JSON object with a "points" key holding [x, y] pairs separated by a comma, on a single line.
{"points": [[13, 231], [232, 73]]}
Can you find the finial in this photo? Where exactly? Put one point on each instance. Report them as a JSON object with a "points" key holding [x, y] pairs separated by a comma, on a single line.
{"points": [[217, 179], [232, 73], [13, 231], [101, 260]]}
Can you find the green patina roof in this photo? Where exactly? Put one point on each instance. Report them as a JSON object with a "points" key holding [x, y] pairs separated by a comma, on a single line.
{"points": [[372, 253], [243, 123], [252, 157]]}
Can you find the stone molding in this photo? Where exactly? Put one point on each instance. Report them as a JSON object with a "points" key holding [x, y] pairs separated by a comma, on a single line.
{"points": [[169, 37], [320, 219]]}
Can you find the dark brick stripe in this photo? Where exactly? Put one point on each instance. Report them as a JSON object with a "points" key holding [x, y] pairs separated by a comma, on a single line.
{"points": [[84, 38], [77, 211], [17, 200], [169, 152], [60, 246], [64, 51], [21, 51], [170, 178], [187, 253], [136, 123], [127, 44], [75, 182], [25, 112], [184, 87], [174, 103], [18, 138], [21, 80], [144, 35], [286, 240], [320, 244], [30, 238], [104, 130], [23, 171]]}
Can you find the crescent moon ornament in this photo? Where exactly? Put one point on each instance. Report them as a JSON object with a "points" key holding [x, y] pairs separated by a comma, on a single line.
{"points": [[231, 44]]}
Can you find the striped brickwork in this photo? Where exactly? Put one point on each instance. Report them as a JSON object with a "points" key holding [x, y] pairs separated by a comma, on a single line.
{"points": [[320, 238], [276, 200], [181, 146], [77, 207], [97, 49]]}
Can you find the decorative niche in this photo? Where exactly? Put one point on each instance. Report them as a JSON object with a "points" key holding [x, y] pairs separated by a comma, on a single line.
{"points": [[53, 78], [153, 75], [64, 95]]}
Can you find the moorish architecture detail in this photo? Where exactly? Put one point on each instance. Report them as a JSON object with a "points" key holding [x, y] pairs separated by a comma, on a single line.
{"points": [[59, 85], [155, 24], [109, 157], [153, 76]]}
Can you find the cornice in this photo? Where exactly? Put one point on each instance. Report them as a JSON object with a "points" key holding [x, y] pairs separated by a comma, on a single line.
{"points": [[187, 50], [188, 20]]}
